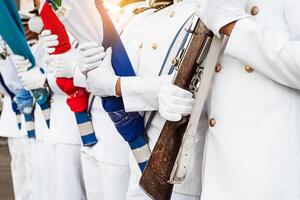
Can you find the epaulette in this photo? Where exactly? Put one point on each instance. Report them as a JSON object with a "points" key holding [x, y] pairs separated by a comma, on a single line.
{"points": [[157, 5], [141, 10], [161, 4]]}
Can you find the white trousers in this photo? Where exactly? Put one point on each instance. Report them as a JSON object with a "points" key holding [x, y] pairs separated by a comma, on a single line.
{"points": [[136, 193], [59, 172], [21, 168], [104, 181]]}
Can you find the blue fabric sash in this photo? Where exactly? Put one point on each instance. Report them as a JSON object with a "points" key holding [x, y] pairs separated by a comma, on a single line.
{"points": [[129, 125], [13, 104]]}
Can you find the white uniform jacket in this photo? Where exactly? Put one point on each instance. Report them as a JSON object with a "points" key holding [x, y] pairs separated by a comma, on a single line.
{"points": [[253, 142], [152, 47]]}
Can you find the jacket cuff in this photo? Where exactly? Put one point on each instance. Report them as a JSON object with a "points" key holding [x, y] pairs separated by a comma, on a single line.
{"points": [[141, 93]]}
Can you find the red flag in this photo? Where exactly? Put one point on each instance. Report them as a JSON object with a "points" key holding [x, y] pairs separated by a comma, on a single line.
{"points": [[77, 97]]}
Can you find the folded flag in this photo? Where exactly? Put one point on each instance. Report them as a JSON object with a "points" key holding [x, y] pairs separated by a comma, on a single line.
{"points": [[82, 20], [13, 34], [13, 104], [77, 97], [129, 125]]}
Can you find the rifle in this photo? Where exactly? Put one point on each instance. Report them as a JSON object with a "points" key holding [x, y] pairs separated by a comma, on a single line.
{"points": [[155, 179]]}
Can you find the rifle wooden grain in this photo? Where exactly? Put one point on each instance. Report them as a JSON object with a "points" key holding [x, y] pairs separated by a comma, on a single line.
{"points": [[154, 180]]}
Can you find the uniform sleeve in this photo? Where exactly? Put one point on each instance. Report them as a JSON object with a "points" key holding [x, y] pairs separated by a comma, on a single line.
{"points": [[273, 54], [141, 93]]}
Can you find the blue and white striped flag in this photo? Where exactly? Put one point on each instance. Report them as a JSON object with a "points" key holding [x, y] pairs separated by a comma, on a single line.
{"points": [[13, 34]]}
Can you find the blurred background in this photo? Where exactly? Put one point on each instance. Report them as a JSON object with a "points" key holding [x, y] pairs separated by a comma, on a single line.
{"points": [[6, 190]]}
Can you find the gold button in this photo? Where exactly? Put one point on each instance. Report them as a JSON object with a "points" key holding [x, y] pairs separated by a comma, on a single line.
{"points": [[172, 14], [154, 46], [254, 10], [141, 46], [218, 67], [212, 122], [249, 69]]}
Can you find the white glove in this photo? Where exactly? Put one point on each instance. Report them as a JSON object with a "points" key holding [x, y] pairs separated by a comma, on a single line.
{"points": [[217, 13], [175, 102], [31, 79], [91, 56], [64, 64], [102, 80], [62, 70], [48, 40]]}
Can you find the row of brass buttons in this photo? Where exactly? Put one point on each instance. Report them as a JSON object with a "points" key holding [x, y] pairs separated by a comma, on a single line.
{"points": [[248, 68], [254, 11], [154, 46]]}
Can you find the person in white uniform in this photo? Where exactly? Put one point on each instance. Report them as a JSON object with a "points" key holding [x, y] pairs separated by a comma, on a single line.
{"points": [[105, 165], [17, 141], [148, 53], [26, 186], [253, 143], [60, 164]]}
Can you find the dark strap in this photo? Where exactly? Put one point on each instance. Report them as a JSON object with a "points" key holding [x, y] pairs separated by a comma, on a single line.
{"points": [[10, 93]]}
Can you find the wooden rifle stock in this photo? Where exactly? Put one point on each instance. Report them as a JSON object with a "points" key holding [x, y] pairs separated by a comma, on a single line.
{"points": [[155, 179]]}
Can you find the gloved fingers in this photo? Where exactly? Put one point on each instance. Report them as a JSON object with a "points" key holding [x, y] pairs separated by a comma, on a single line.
{"points": [[177, 91], [51, 37], [176, 107], [93, 65], [61, 66], [89, 45], [16, 58], [51, 43], [170, 116], [182, 101], [61, 74], [45, 32], [21, 70], [22, 66], [21, 62], [91, 52], [50, 50], [95, 58], [88, 67]]}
